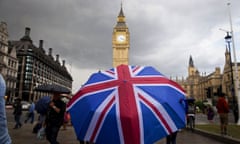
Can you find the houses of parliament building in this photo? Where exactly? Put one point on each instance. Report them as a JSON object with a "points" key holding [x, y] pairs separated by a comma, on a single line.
{"points": [[200, 86]]}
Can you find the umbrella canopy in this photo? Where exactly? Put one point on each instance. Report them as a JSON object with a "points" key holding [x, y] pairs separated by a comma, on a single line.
{"points": [[52, 88], [42, 104], [127, 104]]}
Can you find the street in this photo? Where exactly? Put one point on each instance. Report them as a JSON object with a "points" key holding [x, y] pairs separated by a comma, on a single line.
{"points": [[24, 135]]}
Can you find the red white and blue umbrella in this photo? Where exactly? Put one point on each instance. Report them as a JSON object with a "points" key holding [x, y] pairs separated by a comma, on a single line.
{"points": [[127, 105]]}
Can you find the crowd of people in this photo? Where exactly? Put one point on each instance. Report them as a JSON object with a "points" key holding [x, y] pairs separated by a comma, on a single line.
{"points": [[48, 123]]}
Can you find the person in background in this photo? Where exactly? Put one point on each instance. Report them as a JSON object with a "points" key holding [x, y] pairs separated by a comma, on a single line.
{"points": [[66, 120], [30, 113], [54, 118], [42, 119], [210, 113], [17, 113], [171, 139], [223, 109], [4, 135], [191, 111]]}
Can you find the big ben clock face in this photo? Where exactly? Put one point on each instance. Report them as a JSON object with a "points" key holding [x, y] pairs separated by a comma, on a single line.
{"points": [[121, 38]]}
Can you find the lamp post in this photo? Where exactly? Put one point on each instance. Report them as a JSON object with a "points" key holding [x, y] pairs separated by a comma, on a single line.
{"points": [[237, 105], [228, 40]]}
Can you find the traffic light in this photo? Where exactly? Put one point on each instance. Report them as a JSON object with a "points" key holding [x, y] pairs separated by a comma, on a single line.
{"points": [[208, 92]]}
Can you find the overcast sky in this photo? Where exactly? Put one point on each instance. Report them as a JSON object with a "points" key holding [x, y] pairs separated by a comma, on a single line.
{"points": [[163, 33]]}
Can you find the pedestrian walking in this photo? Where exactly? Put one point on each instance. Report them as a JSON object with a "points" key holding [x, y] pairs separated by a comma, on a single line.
{"points": [[4, 135], [223, 109], [30, 114], [171, 139], [66, 120], [54, 118], [210, 113], [40, 123], [17, 113]]}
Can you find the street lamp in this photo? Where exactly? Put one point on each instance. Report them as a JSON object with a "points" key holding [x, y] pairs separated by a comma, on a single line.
{"points": [[228, 39], [237, 107]]}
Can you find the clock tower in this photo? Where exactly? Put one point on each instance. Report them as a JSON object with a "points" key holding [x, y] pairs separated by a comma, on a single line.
{"points": [[120, 41]]}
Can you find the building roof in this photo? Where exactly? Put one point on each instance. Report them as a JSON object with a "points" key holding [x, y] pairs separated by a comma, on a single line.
{"points": [[25, 47]]}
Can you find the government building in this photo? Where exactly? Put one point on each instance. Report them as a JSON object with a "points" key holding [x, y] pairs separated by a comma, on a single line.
{"points": [[120, 41], [203, 87], [198, 85], [26, 66], [8, 63]]}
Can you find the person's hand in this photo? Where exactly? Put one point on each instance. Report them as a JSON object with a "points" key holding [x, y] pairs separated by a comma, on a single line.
{"points": [[51, 104], [66, 96]]}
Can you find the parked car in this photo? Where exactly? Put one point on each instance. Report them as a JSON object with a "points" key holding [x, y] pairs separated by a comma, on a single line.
{"points": [[25, 105]]}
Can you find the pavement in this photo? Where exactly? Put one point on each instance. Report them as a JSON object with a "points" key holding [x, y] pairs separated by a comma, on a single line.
{"points": [[24, 135]]}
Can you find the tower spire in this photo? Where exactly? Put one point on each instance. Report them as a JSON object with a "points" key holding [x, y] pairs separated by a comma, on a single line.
{"points": [[121, 14], [191, 62], [120, 40], [121, 18], [121, 5]]}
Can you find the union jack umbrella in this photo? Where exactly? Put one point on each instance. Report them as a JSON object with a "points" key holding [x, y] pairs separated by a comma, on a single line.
{"points": [[127, 105]]}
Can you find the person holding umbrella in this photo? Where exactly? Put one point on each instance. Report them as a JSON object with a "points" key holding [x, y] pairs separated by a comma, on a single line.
{"points": [[54, 117], [171, 139], [41, 107]]}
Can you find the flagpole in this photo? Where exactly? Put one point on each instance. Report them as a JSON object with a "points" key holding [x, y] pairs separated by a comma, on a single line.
{"points": [[235, 64]]}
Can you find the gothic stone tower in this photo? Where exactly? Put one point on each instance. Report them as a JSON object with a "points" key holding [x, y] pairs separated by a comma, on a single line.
{"points": [[191, 68], [192, 80], [120, 41]]}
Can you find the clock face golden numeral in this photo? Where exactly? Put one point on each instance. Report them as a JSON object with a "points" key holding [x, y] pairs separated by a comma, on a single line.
{"points": [[121, 38]]}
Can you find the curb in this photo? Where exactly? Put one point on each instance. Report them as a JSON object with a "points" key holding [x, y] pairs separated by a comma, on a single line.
{"points": [[218, 137]]}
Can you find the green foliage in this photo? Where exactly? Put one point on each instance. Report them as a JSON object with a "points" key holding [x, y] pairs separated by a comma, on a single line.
{"points": [[233, 129], [200, 105]]}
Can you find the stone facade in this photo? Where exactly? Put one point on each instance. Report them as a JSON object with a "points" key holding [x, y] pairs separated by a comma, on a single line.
{"points": [[205, 87], [120, 41], [8, 63], [36, 67], [200, 86]]}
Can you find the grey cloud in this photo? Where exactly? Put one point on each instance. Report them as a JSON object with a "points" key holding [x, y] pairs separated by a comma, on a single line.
{"points": [[162, 34]]}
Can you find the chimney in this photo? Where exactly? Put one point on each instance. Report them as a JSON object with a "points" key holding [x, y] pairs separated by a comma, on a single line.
{"points": [[50, 52], [57, 57], [63, 63], [27, 31], [40, 43], [26, 37]]}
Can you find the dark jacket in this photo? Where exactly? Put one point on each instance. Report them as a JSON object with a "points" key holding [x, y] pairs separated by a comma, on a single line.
{"points": [[17, 108], [54, 118]]}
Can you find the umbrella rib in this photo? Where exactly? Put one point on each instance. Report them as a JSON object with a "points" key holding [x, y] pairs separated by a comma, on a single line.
{"points": [[158, 109], [98, 118]]}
